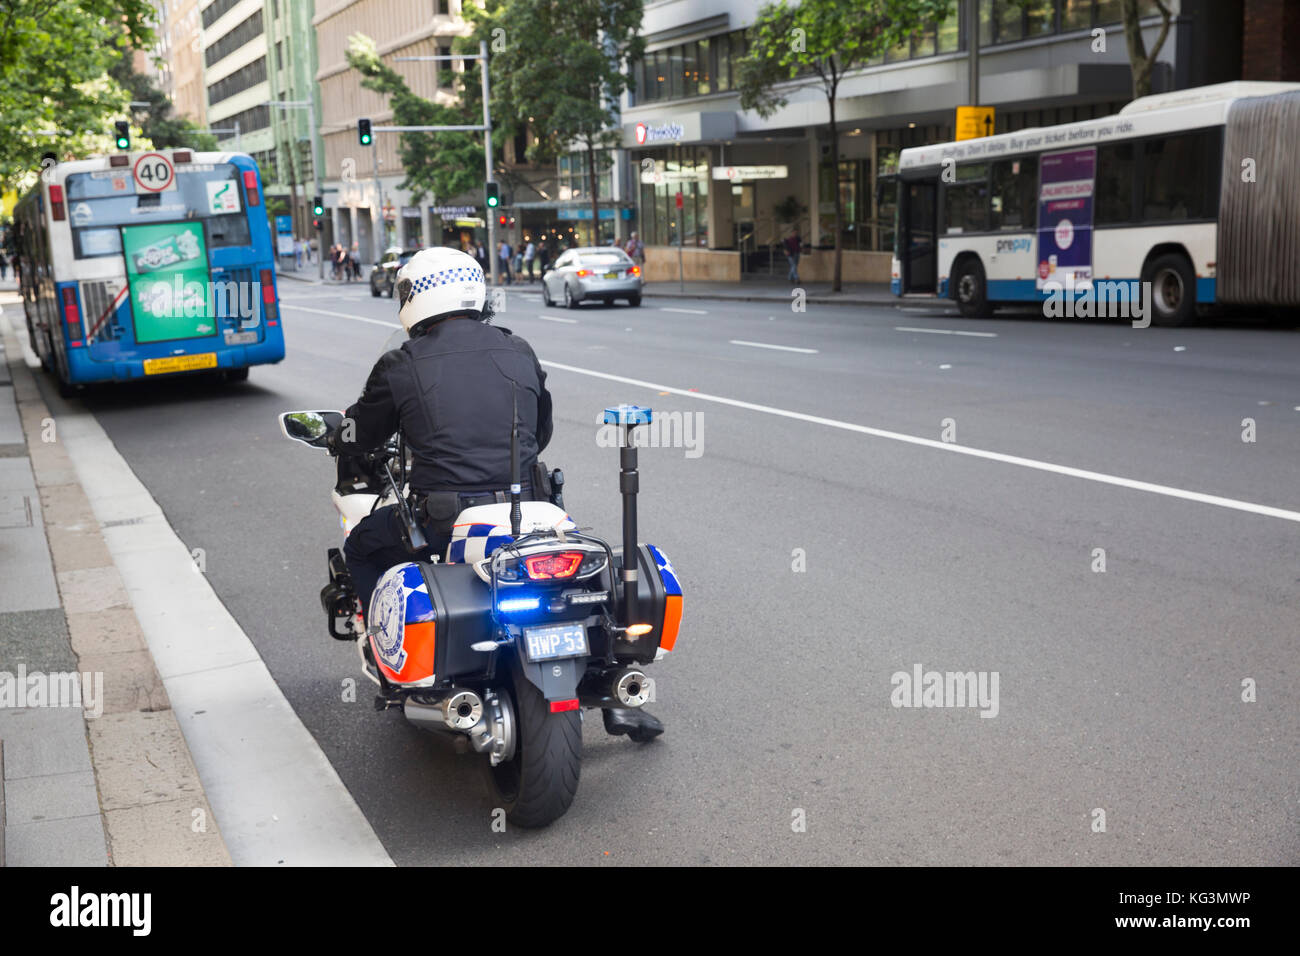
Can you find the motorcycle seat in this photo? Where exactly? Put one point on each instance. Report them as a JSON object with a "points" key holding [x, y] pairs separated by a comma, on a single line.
{"points": [[480, 530]]}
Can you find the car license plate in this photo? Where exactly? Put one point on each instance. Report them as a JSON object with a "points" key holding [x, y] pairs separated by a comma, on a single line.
{"points": [[180, 363], [611, 275], [241, 338], [552, 643]]}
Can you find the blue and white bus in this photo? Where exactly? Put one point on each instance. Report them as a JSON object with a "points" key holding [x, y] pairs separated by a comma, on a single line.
{"points": [[148, 264], [1188, 198]]}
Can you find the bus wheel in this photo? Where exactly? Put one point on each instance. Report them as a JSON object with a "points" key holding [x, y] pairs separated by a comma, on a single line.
{"points": [[1173, 290], [970, 290], [237, 374]]}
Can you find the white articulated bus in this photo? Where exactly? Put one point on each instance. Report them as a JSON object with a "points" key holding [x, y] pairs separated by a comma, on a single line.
{"points": [[1188, 198]]}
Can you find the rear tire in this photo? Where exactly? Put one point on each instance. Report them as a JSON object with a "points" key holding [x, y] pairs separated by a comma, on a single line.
{"points": [[537, 787], [634, 300], [237, 374], [569, 300], [374, 293], [970, 290], [1173, 290], [546, 295]]}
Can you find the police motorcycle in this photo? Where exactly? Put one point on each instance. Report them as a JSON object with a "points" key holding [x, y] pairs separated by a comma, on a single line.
{"points": [[523, 624]]}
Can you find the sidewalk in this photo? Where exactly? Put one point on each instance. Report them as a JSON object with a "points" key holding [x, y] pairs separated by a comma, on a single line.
{"points": [[94, 770]]}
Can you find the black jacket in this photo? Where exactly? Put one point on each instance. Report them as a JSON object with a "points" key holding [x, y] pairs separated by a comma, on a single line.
{"points": [[451, 391]]}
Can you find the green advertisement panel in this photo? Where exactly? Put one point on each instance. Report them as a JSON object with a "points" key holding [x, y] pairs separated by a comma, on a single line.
{"points": [[167, 271]]}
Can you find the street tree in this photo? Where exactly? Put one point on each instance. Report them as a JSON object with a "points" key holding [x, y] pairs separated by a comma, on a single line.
{"points": [[159, 125], [813, 45], [1142, 62], [562, 67], [55, 91], [437, 164]]}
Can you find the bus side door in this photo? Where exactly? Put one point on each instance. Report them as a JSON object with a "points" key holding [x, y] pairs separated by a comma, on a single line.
{"points": [[918, 228]]}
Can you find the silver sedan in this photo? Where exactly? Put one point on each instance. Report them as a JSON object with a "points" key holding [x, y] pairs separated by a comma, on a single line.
{"points": [[596, 272]]}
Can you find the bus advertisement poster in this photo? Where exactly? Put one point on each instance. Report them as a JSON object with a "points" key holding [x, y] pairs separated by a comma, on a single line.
{"points": [[167, 270], [1065, 217]]}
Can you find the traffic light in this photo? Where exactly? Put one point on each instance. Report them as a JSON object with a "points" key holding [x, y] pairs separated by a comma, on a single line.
{"points": [[493, 195], [318, 206], [315, 224], [363, 132], [123, 134], [501, 220]]}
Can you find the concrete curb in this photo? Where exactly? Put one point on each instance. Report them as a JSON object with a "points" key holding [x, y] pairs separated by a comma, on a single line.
{"points": [[150, 799]]}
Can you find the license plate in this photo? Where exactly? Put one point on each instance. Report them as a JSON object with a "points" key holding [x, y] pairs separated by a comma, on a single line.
{"points": [[241, 338], [180, 363], [611, 275], [552, 643]]}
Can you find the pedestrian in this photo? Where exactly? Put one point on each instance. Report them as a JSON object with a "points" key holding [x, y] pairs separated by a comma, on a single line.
{"points": [[635, 249], [530, 253], [4, 266], [503, 261], [481, 256], [544, 256], [354, 263], [297, 253], [336, 261], [793, 247]]}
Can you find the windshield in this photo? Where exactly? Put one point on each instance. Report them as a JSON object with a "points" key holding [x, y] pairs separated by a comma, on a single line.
{"points": [[100, 202]]}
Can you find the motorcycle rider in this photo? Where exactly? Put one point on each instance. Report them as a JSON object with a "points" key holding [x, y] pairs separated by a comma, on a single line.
{"points": [[454, 388]]}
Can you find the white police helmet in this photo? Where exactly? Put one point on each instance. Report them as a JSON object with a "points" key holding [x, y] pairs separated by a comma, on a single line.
{"points": [[439, 282]]}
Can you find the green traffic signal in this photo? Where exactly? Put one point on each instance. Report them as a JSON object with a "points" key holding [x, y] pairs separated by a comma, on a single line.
{"points": [[123, 134], [363, 132], [493, 195], [318, 206]]}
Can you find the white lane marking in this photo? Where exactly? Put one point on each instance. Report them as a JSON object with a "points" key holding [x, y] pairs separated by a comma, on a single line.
{"points": [[1100, 477], [273, 792], [764, 345], [981, 335], [685, 311], [558, 318], [343, 315]]}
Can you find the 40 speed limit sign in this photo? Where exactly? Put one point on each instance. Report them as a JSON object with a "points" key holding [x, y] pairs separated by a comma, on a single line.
{"points": [[153, 173]]}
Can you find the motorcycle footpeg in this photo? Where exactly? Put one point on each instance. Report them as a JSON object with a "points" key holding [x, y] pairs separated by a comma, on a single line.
{"points": [[636, 724]]}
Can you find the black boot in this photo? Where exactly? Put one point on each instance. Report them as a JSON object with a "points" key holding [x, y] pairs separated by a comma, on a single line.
{"points": [[634, 722]]}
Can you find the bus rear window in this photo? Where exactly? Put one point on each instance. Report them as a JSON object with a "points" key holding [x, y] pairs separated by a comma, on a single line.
{"points": [[100, 202]]}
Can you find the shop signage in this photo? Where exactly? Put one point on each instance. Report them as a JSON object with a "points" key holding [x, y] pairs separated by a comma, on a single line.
{"points": [[453, 212], [738, 174], [668, 132]]}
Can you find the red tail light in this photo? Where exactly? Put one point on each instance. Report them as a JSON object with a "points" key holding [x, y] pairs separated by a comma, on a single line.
{"points": [[250, 188], [268, 287], [634, 271], [56, 203], [71, 313], [582, 272], [560, 706], [544, 567]]}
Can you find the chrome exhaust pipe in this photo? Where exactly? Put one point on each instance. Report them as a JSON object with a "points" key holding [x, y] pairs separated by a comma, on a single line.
{"points": [[459, 710], [462, 710], [630, 687]]}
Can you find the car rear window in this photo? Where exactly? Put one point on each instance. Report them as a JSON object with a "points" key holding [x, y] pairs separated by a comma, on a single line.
{"points": [[606, 259]]}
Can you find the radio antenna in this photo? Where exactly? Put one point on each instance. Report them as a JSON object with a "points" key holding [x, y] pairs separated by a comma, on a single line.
{"points": [[516, 512]]}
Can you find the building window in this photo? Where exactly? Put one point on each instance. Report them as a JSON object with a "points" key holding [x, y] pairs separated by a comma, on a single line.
{"points": [[574, 179], [684, 169], [1005, 21], [232, 41], [214, 11], [242, 79], [446, 68]]}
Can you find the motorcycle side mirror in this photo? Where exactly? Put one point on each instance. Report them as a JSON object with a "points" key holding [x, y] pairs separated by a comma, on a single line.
{"points": [[311, 428]]}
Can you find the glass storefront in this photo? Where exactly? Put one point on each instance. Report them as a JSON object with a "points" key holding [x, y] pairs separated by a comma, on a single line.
{"points": [[684, 169]]}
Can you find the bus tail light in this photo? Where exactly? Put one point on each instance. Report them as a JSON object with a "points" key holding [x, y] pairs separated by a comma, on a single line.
{"points": [[72, 314], [250, 188], [270, 307], [57, 209]]}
